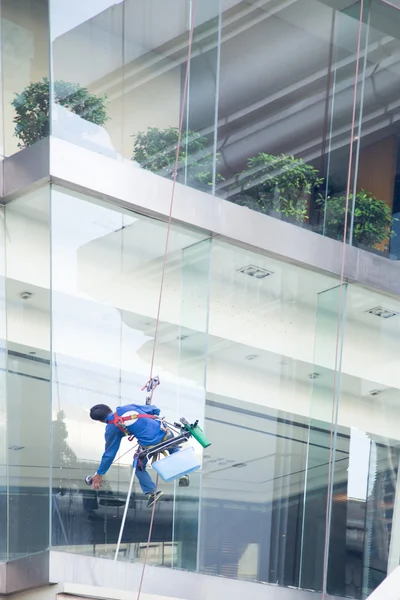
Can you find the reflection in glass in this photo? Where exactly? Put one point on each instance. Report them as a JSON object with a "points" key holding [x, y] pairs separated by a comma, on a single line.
{"points": [[25, 61], [279, 145], [324, 523], [257, 410], [127, 63], [27, 221], [106, 273], [252, 357], [3, 397]]}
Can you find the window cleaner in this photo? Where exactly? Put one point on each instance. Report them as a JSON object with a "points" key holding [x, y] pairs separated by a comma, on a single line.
{"points": [[154, 435]]}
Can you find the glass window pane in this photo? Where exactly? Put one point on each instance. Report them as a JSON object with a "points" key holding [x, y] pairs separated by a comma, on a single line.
{"points": [[106, 274], [324, 524], [25, 65], [3, 396], [27, 221], [259, 381], [368, 410], [123, 84]]}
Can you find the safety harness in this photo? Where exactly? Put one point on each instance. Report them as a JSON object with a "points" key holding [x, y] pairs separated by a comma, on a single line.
{"points": [[120, 422]]}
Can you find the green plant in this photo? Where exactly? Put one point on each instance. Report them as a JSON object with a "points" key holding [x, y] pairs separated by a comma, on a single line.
{"points": [[281, 183], [155, 150], [372, 218], [32, 108]]}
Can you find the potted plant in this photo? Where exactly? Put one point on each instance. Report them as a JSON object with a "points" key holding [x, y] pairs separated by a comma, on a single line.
{"points": [[155, 150], [372, 218], [32, 108], [281, 184]]}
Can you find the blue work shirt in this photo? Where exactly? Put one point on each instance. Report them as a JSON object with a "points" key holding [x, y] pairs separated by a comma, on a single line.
{"points": [[146, 431]]}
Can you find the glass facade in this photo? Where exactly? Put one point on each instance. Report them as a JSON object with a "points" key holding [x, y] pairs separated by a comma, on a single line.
{"points": [[306, 137], [288, 108], [300, 400]]}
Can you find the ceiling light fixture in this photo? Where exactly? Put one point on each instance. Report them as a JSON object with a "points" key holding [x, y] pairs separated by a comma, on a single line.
{"points": [[384, 313], [180, 338], [26, 295], [239, 465], [16, 447], [251, 356], [374, 392], [313, 375], [256, 272]]}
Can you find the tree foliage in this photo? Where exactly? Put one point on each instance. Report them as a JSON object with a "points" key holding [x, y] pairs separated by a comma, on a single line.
{"points": [[155, 150], [32, 108], [280, 183], [372, 218]]}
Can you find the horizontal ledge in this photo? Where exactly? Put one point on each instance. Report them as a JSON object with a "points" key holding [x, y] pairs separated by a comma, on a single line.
{"points": [[128, 186], [90, 577]]}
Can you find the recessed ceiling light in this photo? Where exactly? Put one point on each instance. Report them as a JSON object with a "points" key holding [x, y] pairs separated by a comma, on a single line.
{"points": [[384, 313], [26, 295], [256, 272], [16, 447], [313, 375], [251, 356], [239, 465]]}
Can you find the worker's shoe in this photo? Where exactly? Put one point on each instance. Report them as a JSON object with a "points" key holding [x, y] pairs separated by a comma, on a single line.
{"points": [[153, 498], [184, 481]]}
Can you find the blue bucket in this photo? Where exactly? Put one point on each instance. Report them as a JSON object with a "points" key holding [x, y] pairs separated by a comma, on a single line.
{"points": [[177, 464]]}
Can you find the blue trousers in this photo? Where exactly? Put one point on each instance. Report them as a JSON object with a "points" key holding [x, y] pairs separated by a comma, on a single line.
{"points": [[146, 483]]}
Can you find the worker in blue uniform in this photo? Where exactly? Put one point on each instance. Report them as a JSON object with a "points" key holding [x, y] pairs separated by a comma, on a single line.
{"points": [[141, 422]]}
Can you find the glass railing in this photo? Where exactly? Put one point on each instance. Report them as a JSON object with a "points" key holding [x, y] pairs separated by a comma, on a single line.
{"points": [[306, 137]]}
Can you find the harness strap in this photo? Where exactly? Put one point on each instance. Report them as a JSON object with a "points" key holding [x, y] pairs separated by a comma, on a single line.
{"points": [[132, 417], [120, 422]]}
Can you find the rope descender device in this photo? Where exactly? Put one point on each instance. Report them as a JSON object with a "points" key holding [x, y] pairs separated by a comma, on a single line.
{"points": [[150, 386]]}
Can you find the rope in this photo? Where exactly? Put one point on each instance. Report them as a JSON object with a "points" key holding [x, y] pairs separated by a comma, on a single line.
{"points": [[147, 545], [122, 455], [178, 146], [332, 441], [185, 91]]}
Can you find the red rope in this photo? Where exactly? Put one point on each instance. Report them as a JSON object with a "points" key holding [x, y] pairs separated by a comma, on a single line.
{"points": [[178, 146], [148, 545], [185, 88], [340, 307]]}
